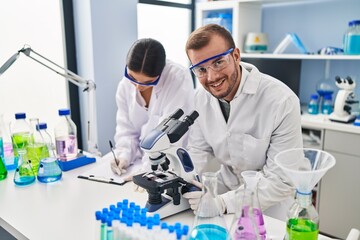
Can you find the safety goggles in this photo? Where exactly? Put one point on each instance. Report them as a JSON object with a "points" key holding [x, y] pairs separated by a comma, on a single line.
{"points": [[221, 62], [151, 83]]}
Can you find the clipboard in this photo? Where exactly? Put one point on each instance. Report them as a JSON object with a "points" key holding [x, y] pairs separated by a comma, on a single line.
{"points": [[102, 172]]}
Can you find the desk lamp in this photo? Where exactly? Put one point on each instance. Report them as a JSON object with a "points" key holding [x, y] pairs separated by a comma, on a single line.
{"points": [[88, 86]]}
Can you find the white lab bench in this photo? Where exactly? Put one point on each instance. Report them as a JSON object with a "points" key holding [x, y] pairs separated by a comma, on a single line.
{"points": [[66, 209], [338, 194]]}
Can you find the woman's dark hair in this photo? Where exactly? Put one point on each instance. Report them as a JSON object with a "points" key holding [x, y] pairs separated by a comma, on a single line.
{"points": [[146, 56]]}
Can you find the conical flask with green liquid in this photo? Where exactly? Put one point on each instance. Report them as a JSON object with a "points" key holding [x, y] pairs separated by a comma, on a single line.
{"points": [[304, 167]]}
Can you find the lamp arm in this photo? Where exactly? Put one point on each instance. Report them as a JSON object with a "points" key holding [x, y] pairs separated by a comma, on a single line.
{"points": [[69, 75], [88, 86]]}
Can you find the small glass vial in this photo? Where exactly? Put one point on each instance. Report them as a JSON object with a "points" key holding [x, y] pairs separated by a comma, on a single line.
{"points": [[352, 38], [313, 107], [65, 137], [327, 107]]}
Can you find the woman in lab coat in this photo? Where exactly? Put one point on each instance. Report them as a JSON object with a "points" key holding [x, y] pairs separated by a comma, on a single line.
{"points": [[152, 88], [252, 117]]}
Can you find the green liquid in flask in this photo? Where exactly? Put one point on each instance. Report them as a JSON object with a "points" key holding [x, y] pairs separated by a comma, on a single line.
{"points": [[36, 152], [301, 229]]}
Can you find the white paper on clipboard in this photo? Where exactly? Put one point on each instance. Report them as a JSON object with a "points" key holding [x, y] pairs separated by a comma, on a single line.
{"points": [[103, 170]]}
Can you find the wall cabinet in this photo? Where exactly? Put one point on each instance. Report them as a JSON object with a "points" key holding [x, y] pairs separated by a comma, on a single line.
{"points": [[339, 208], [245, 16], [337, 194]]}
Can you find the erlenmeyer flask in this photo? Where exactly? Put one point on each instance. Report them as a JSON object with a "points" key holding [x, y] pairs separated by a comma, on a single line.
{"points": [[3, 171], [248, 223], [209, 221], [304, 167], [24, 174], [49, 170], [37, 148]]}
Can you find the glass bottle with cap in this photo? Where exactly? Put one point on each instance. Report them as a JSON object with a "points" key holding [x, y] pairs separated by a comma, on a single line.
{"points": [[327, 106], [313, 107], [66, 137], [352, 38], [21, 134]]}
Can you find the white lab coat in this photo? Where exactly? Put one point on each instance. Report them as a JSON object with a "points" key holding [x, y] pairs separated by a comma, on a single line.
{"points": [[264, 120], [133, 121]]}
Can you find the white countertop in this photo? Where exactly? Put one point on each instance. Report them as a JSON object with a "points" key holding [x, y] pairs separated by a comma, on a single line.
{"points": [[321, 121], [66, 209]]}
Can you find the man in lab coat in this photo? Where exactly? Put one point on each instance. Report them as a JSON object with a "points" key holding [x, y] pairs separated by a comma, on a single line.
{"points": [[245, 118], [152, 88]]}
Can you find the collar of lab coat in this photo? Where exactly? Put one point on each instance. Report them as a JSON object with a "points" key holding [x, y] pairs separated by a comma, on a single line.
{"points": [[250, 79]]}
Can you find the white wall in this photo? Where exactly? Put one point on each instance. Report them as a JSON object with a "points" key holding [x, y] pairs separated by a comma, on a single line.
{"points": [[104, 31], [28, 86]]}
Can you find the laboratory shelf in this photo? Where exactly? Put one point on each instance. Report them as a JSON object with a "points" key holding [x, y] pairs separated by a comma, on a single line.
{"points": [[299, 56]]}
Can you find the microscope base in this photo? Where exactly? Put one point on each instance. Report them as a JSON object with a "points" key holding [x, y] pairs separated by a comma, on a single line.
{"points": [[169, 208], [344, 119]]}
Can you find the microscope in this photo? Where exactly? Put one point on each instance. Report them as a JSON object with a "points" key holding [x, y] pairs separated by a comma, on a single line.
{"points": [[172, 169], [344, 99]]}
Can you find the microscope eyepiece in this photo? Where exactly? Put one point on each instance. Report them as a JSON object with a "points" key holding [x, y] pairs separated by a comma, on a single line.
{"points": [[191, 118], [177, 114]]}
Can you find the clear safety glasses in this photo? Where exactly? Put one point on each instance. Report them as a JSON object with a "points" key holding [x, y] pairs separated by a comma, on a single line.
{"points": [[150, 83], [222, 60]]}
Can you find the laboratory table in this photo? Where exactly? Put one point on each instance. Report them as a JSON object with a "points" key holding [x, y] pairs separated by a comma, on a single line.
{"points": [[66, 209]]}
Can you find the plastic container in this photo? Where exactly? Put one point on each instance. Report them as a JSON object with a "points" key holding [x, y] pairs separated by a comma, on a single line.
{"points": [[222, 18], [352, 38], [327, 106], [313, 107], [65, 137]]}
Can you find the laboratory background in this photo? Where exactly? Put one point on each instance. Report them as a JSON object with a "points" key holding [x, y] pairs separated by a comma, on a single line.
{"points": [[91, 38]]}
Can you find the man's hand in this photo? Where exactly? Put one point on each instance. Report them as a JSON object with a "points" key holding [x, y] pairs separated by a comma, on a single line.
{"points": [[194, 200], [118, 166], [194, 196]]}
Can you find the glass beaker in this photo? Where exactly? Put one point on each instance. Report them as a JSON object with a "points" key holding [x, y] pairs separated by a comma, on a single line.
{"points": [[24, 174], [304, 167], [49, 170], [209, 221], [248, 222]]}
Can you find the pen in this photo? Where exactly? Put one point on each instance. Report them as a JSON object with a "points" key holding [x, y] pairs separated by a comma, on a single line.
{"points": [[101, 179], [112, 150]]}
